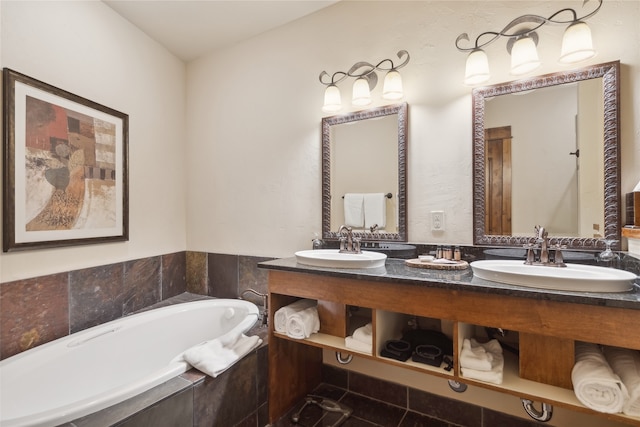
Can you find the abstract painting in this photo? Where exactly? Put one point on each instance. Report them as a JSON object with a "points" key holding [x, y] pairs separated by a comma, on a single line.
{"points": [[65, 167]]}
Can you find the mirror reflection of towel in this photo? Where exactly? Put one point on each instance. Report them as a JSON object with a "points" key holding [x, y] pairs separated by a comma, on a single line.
{"points": [[375, 210], [354, 210]]}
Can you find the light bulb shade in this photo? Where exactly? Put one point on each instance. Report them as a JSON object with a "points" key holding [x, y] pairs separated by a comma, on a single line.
{"points": [[361, 93], [577, 44], [524, 56], [332, 100], [392, 88], [477, 68]]}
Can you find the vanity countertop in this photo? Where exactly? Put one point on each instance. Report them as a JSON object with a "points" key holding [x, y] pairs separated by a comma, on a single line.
{"points": [[396, 271]]}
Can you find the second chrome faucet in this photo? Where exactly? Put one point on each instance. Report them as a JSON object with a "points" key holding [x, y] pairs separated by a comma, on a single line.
{"points": [[542, 241]]}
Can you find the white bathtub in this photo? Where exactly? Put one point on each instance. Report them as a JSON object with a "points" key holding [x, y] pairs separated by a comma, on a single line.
{"points": [[93, 369]]}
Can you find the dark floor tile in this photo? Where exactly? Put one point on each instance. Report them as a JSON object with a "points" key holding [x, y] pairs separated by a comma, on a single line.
{"points": [[307, 418], [378, 389], [413, 419], [335, 376], [329, 391], [450, 410], [493, 418], [374, 411]]}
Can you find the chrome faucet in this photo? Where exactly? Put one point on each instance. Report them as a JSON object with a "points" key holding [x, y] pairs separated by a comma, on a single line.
{"points": [[348, 244], [265, 301], [542, 239]]}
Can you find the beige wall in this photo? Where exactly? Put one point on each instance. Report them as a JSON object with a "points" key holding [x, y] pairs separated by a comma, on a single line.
{"points": [[254, 113], [87, 49], [225, 156]]}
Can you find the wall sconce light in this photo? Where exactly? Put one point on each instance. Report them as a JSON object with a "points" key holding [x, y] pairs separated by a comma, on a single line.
{"points": [[366, 80], [576, 44]]}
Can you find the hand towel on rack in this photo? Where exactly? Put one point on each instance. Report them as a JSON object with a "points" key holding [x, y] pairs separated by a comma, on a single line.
{"points": [[354, 344], [364, 334], [216, 356], [303, 323], [354, 210], [626, 364], [281, 315], [594, 382], [375, 210]]}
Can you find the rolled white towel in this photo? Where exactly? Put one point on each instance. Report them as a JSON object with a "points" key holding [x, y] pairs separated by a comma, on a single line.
{"points": [[354, 344], [216, 356], [364, 334], [480, 357], [303, 323], [626, 364], [281, 315], [594, 382]]}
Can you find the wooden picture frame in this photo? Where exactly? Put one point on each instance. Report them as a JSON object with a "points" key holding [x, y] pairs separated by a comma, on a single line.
{"points": [[65, 168]]}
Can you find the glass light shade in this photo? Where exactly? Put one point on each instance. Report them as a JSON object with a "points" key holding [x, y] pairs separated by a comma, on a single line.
{"points": [[392, 88], [361, 94], [477, 68], [577, 44], [332, 100], [524, 56]]}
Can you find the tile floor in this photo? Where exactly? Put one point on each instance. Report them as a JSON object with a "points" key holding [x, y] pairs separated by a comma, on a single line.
{"points": [[366, 413]]}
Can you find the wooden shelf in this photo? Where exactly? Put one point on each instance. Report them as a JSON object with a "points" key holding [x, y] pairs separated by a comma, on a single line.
{"points": [[541, 326]]}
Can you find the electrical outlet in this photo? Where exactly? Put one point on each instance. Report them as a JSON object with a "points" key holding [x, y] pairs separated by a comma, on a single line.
{"points": [[437, 220]]}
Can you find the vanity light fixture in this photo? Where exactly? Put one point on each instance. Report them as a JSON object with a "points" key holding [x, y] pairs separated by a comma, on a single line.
{"points": [[577, 44], [366, 79]]}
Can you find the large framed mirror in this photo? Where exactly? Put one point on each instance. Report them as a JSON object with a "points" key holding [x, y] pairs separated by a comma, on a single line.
{"points": [[546, 152], [364, 153]]}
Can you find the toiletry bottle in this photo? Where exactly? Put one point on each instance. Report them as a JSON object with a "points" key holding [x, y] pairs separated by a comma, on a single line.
{"points": [[457, 255], [317, 243]]}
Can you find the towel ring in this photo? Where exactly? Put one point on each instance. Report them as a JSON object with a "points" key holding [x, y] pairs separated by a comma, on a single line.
{"points": [[543, 416], [344, 361]]}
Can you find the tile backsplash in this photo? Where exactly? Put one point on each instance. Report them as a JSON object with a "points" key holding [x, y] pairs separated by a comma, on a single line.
{"points": [[41, 309]]}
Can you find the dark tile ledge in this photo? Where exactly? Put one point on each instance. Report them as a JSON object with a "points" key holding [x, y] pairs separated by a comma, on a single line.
{"points": [[395, 271]]}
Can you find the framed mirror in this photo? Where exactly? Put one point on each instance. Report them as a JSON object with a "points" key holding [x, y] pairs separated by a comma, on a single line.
{"points": [[546, 152], [364, 154]]}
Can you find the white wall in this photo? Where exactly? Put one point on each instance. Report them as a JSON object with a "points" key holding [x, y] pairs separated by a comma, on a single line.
{"points": [[254, 113], [241, 173], [85, 48]]}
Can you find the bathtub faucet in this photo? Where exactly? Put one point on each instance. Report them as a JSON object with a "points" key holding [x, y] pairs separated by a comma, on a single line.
{"points": [[265, 312]]}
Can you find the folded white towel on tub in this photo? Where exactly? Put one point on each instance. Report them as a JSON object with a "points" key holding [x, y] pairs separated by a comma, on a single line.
{"points": [[216, 356], [364, 334], [594, 382], [281, 315], [303, 323], [626, 364]]}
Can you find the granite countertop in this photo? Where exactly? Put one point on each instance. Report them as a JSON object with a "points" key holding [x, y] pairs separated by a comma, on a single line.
{"points": [[396, 271]]}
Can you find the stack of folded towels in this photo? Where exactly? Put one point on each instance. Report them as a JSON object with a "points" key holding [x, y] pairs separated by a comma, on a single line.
{"points": [[607, 379], [361, 340], [298, 320], [216, 356], [483, 362]]}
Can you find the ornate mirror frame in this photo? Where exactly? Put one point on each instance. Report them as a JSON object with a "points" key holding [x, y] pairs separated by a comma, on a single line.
{"points": [[401, 110], [610, 74]]}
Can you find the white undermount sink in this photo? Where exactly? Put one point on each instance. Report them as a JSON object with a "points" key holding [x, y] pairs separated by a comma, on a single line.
{"points": [[573, 277], [332, 258]]}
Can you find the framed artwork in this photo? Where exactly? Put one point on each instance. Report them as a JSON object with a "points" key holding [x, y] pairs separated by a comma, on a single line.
{"points": [[65, 168]]}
